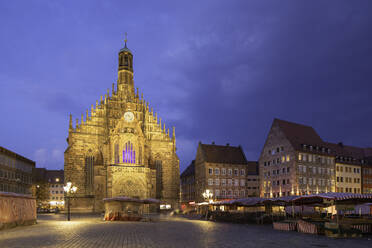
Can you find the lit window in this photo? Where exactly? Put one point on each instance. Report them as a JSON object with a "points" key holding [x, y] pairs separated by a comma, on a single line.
{"points": [[210, 181], [242, 182], [57, 180], [129, 153], [288, 158]]}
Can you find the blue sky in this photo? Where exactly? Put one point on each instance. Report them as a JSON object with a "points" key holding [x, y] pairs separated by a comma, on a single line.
{"points": [[217, 70]]}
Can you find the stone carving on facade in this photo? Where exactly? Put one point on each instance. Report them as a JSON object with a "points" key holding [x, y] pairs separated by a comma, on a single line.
{"points": [[121, 133]]}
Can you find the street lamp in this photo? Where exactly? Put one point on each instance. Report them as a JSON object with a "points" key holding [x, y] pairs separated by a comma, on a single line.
{"points": [[208, 195], [69, 189]]}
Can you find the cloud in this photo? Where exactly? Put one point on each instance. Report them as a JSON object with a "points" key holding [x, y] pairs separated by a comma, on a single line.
{"points": [[49, 158], [41, 157]]}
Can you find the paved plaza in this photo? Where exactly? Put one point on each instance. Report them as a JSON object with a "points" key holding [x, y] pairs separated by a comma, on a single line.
{"points": [[91, 231]]}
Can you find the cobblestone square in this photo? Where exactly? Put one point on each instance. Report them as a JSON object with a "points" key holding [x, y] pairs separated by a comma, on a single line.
{"points": [[91, 231]]}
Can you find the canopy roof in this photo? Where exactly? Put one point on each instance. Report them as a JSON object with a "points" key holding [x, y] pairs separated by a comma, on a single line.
{"points": [[300, 200]]}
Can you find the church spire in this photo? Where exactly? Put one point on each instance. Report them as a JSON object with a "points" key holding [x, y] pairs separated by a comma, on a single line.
{"points": [[126, 39], [125, 69]]}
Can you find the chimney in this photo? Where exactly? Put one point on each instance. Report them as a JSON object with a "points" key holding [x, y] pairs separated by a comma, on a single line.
{"points": [[341, 144], [227, 144], [212, 142]]}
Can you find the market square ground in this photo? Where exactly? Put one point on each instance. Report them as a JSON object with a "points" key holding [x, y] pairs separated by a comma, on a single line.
{"points": [[90, 231]]}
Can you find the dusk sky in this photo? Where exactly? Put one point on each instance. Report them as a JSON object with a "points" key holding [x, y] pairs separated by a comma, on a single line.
{"points": [[216, 70]]}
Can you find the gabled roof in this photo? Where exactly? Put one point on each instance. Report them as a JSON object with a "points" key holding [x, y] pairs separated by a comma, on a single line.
{"points": [[190, 170], [223, 154], [298, 134]]}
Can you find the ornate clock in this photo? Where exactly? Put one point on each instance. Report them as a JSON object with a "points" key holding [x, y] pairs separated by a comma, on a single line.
{"points": [[128, 116]]}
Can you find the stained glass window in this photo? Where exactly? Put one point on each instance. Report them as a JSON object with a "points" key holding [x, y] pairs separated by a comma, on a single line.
{"points": [[129, 154]]}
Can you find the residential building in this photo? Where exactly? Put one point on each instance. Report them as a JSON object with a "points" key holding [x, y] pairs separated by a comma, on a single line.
{"points": [[367, 171], [188, 184], [56, 183], [15, 172], [349, 161], [295, 160], [224, 171], [367, 176], [48, 185], [253, 179]]}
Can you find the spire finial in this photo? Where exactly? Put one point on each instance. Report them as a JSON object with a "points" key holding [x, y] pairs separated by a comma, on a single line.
{"points": [[126, 39]]}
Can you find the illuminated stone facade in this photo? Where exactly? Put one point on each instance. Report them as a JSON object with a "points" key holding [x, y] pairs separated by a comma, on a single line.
{"points": [[225, 172], [122, 148], [294, 161]]}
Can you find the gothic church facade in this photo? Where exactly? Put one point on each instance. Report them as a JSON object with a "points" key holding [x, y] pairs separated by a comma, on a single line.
{"points": [[122, 148]]}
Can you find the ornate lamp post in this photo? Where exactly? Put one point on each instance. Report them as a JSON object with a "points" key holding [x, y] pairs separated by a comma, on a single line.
{"points": [[208, 195], [69, 189]]}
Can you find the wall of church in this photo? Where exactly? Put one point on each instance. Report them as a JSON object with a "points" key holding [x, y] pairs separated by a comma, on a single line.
{"points": [[106, 136]]}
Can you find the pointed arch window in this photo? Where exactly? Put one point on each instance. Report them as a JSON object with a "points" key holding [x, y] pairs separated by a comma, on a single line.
{"points": [[129, 153], [89, 170]]}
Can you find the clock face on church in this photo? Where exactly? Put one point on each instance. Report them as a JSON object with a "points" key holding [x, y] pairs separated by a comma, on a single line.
{"points": [[128, 116]]}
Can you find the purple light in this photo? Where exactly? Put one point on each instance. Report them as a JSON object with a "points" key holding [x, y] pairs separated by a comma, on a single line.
{"points": [[129, 155]]}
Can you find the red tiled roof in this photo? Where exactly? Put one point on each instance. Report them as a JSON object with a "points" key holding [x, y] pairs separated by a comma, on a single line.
{"points": [[299, 134], [223, 154]]}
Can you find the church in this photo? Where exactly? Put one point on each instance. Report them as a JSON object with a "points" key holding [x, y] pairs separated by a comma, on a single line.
{"points": [[121, 148]]}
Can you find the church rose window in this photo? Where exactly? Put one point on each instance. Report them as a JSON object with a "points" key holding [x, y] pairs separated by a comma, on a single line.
{"points": [[129, 154]]}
